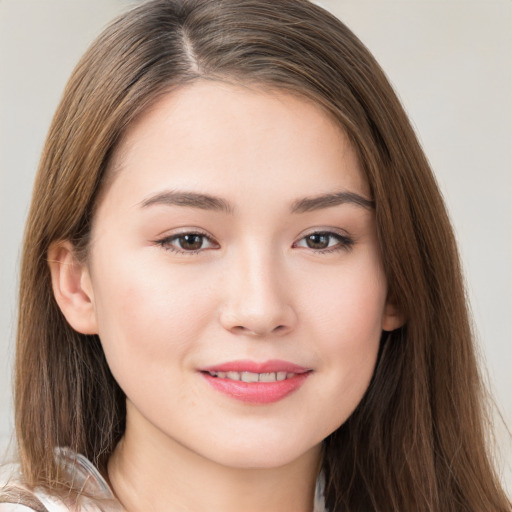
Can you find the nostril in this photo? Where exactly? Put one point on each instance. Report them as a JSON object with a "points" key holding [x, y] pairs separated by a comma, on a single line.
{"points": [[242, 320], [258, 332], [244, 330]]}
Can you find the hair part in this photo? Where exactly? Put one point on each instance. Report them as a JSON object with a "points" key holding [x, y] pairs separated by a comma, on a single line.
{"points": [[417, 439]]}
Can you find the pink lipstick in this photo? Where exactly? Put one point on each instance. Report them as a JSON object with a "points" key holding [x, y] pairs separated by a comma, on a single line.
{"points": [[256, 383]]}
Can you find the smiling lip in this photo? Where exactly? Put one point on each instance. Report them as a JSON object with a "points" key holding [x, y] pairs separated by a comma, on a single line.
{"points": [[256, 383]]}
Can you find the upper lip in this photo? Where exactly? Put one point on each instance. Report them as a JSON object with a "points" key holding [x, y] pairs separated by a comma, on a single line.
{"points": [[271, 366]]}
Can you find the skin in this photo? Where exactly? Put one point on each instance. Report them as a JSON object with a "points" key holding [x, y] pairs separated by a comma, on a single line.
{"points": [[253, 290]]}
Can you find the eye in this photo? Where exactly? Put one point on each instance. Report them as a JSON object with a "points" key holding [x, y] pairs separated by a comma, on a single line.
{"points": [[187, 243], [325, 241]]}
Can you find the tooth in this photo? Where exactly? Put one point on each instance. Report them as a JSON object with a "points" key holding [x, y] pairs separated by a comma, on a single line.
{"points": [[267, 377], [249, 377]]}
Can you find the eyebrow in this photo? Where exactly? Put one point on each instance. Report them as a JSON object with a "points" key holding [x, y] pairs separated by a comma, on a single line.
{"points": [[310, 204], [214, 203], [190, 199]]}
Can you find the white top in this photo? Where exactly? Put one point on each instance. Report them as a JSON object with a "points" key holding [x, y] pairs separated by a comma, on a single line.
{"points": [[84, 476], [78, 470]]}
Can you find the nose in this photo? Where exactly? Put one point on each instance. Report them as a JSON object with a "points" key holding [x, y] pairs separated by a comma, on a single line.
{"points": [[257, 299]]}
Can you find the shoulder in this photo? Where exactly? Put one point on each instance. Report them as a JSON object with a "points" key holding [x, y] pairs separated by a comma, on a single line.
{"points": [[16, 498], [15, 507], [92, 488], [13, 495]]}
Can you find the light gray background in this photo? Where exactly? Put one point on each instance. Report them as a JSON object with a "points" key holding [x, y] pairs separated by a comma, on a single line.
{"points": [[451, 63]]}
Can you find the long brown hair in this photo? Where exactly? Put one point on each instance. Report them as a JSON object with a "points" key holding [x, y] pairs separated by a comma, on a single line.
{"points": [[417, 440]]}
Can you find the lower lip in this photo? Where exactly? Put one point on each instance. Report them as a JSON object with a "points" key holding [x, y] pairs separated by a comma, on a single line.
{"points": [[257, 392]]}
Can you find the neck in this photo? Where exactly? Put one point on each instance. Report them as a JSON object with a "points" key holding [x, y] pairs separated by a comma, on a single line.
{"points": [[159, 474]]}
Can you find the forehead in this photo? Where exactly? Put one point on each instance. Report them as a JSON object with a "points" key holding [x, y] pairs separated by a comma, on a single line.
{"points": [[212, 133]]}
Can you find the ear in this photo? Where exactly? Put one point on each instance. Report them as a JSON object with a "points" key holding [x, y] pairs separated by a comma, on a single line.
{"points": [[72, 287], [393, 318]]}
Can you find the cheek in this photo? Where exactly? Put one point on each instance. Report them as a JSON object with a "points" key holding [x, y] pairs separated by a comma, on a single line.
{"points": [[349, 303], [348, 318], [147, 312]]}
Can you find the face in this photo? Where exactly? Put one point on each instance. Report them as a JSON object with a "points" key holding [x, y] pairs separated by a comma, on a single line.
{"points": [[234, 275]]}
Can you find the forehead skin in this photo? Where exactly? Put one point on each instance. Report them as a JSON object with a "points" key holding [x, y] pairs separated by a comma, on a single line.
{"points": [[188, 101]]}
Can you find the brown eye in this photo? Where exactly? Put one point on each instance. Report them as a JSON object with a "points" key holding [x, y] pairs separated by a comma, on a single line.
{"points": [[324, 242], [192, 242], [188, 243], [318, 241]]}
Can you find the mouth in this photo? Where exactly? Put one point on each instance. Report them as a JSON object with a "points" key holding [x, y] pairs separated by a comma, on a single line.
{"points": [[253, 377], [256, 383]]}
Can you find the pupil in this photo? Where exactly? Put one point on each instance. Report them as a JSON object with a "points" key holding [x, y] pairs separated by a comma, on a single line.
{"points": [[318, 241], [191, 242]]}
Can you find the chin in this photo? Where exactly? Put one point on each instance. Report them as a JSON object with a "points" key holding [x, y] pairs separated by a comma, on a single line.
{"points": [[264, 455]]}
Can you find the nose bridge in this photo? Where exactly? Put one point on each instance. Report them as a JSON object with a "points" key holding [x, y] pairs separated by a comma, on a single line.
{"points": [[257, 301]]}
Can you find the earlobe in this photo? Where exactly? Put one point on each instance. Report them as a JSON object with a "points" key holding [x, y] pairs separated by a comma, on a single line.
{"points": [[393, 318], [72, 287]]}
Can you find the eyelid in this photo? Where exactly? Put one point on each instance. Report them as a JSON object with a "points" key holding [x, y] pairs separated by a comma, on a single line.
{"points": [[346, 241], [166, 240]]}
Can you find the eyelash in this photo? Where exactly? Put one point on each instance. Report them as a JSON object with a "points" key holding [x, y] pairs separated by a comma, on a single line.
{"points": [[345, 243], [166, 242]]}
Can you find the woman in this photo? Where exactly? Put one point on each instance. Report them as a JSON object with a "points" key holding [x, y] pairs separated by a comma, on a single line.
{"points": [[250, 294]]}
